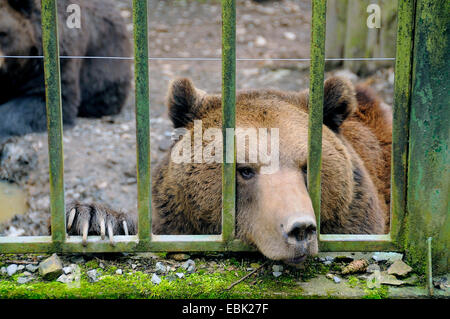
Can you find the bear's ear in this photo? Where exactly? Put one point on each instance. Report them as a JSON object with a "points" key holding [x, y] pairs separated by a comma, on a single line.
{"points": [[339, 102], [184, 102], [23, 6]]}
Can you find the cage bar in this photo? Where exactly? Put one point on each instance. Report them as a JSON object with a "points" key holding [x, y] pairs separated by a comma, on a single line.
{"points": [[144, 241], [228, 118], [141, 78], [316, 74], [54, 119], [400, 121]]}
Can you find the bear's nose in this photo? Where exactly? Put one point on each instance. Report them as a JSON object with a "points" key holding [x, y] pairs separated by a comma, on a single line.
{"points": [[299, 230]]}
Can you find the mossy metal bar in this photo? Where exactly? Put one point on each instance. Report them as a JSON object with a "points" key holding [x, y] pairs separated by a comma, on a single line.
{"points": [[54, 118], [141, 76], [400, 123], [228, 118], [316, 73], [74, 244]]}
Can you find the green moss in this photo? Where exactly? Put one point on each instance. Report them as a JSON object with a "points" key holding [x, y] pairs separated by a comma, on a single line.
{"points": [[376, 293]]}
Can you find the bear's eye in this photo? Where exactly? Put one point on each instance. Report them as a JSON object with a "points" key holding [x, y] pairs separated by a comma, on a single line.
{"points": [[305, 174], [305, 169], [246, 172]]}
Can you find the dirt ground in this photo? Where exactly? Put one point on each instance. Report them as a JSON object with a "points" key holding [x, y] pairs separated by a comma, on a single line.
{"points": [[100, 154]]}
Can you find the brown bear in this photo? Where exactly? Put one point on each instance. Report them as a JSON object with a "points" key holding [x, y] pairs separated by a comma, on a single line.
{"points": [[90, 87], [274, 210]]}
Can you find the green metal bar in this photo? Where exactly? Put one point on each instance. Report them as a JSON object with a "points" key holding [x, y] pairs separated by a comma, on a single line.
{"points": [[228, 118], [400, 123], [357, 243], [316, 74], [73, 244], [141, 76], [430, 268], [54, 118], [428, 155]]}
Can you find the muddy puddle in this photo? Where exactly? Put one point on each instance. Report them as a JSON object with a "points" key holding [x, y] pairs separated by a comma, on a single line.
{"points": [[13, 201]]}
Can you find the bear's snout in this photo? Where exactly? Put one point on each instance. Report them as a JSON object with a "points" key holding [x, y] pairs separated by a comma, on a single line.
{"points": [[299, 231]]}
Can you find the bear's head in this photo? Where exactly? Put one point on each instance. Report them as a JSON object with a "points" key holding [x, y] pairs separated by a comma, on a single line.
{"points": [[274, 210], [18, 34]]}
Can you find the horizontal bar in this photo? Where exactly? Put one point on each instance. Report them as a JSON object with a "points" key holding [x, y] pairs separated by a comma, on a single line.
{"points": [[345, 242], [73, 244], [352, 237], [181, 238], [190, 59]]}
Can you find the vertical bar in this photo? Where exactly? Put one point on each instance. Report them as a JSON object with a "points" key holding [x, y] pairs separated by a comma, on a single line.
{"points": [[228, 118], [400, 122], [316, 74], [428, 185], [141, 77], [429, 268], [54, 119]]}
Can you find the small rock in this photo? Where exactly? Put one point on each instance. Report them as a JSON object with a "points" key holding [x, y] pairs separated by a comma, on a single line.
{"points": [[11, 269], [290, 35], [119, 272], [260, 41], [24, 279], [372, 268], [155, 279], [189, 266], [179, 257], [67, 270], [387, 279], [160, 268], [327, 262], [3, 270], [101, 265], [133, 266], [336, 279], [277, 268], [277, 274], [26, 273], [65, 279], [20, 267], [179, 275], [399, 268], [387, 256], [92, 275], [441, 282], [31, 268], [254, 265], [51, 268]]}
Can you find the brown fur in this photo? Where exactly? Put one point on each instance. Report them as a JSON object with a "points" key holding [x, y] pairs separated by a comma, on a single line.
{"points": [[274, 211]]}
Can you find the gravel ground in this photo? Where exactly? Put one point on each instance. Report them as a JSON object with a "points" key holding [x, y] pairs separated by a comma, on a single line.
{"points": [[100, 153]]}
